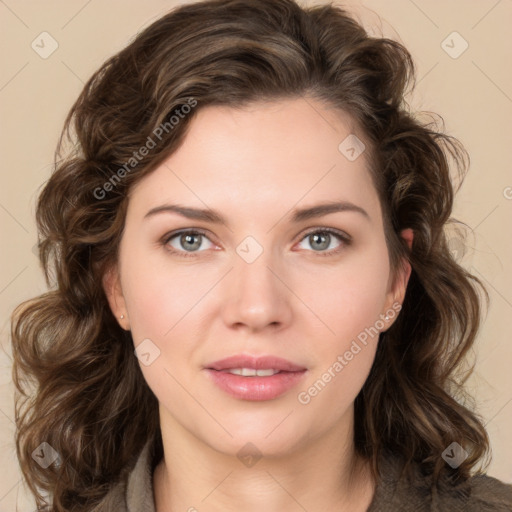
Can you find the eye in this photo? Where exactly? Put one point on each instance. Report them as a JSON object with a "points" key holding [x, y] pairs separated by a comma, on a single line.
{"points": [[189, 241], [326, 241]]}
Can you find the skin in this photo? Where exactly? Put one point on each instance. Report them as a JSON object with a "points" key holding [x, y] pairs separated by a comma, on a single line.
{"points": [[255, 166]]}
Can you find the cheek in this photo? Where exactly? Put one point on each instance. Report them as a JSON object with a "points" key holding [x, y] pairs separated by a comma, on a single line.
{"points": [[163, 303], [349, 300], [166, 304], [343, 355], [161, 296], [349, 297]]}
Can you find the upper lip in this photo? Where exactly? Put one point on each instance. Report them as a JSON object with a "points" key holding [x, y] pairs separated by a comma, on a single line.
{"points": [[256, 363]]}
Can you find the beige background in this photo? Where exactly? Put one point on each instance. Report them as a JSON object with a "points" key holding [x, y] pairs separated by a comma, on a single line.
{"points": [[472, 92]]}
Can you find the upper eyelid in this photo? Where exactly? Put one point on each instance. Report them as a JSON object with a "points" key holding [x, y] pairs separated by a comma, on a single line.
{"points": [[333, 231]]}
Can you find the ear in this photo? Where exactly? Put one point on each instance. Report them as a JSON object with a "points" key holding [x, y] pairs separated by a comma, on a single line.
{"points": [[408, 236], [397, 291], [112, 286]]}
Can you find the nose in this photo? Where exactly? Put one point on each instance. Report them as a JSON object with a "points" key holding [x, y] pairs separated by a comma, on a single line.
{"points": [[255, 296]]}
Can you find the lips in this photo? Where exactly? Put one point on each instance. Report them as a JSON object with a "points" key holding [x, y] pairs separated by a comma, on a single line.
{"points": [[255, 378]]}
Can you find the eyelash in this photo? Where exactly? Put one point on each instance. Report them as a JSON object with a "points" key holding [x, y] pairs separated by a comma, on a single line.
{"points": [[342, 237]]}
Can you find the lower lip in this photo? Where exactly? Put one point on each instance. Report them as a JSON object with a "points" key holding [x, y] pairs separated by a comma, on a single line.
{"points": [[256, 388]]}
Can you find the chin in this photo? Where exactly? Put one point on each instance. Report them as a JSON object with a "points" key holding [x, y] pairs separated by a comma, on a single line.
{"points": [[257, 446], [273, 434]]}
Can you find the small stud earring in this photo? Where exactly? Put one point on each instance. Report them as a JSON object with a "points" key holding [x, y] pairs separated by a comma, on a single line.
{"points": [[121, 317]]}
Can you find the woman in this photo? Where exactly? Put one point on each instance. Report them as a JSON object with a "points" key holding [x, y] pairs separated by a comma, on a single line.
{"points": [[253, 300]]}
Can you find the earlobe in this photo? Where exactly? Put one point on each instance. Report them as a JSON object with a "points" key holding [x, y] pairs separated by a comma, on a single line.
{"points": [[112, 287]]}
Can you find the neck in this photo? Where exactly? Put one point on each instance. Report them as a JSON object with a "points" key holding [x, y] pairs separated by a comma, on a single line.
{"points": [[323, 474]]}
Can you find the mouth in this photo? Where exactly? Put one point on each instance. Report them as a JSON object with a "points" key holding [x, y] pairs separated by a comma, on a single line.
{"points": [[255, 378]]}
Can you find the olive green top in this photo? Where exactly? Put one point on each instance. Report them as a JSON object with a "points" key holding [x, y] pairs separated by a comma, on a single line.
{"points": [[393, 494]]}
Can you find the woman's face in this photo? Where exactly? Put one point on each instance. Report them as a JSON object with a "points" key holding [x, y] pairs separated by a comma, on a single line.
{"points": [[278, 278]]}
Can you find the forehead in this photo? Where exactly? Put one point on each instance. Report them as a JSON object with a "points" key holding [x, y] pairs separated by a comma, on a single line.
{"points": [[264, 157]]}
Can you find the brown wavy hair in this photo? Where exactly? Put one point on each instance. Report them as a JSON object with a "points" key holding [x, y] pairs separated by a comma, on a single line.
{"points": [[79, 385]]}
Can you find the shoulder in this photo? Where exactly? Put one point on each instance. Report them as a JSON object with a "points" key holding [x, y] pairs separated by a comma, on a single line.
{"points": [[488, 494], [397, 493]]}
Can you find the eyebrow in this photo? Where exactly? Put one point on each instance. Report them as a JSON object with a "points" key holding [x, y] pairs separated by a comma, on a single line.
{"points": [[297, 215]]}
